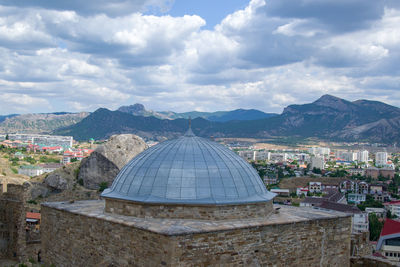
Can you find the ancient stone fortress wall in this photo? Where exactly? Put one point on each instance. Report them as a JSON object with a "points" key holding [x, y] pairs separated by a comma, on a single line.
{"points": [[200, 212], [12, 221], [81, 234]]}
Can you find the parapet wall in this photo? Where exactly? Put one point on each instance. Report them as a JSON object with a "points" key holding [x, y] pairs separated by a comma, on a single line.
{"points": [[12, 222], [90, 238], [199, 212]]}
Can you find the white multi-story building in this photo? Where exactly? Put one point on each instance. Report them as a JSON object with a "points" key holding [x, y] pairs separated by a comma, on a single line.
{"points": [[319, 151], [393, 207], [360, 222], [278, 157], [346, 155], [381, 158], [44, 140], [247, 154], [261, 155], [318, 162], [363, 156]]}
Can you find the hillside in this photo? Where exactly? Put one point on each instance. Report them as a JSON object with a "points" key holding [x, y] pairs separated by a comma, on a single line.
{"points": [[39, 123]]}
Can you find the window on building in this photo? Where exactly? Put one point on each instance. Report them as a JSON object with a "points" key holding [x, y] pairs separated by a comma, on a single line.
{"points": [[393, 241], [390, 254]]}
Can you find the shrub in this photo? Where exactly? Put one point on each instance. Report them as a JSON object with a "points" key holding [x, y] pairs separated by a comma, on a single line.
{"points": [[102, 186]]}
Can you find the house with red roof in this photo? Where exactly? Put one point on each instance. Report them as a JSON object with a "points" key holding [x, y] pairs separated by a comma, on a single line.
{"points": [[389, 240], [33, 220]]}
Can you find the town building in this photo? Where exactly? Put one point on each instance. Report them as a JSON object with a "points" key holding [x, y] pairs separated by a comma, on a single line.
{"points": [[330, 196], [381, 158], [44, 140], [318, 162], [30, 170], [315, 187], [191, 202], [281, 192], [319, 151], [346, 155], [393, 207], [359, 187], [375, 173], [261, 155], [359, 219], [363, 156], [19, 155], [380, 212], [247, 154], [356, 171], [355, 198], [302, 191], [389, 241], [50, 167]]}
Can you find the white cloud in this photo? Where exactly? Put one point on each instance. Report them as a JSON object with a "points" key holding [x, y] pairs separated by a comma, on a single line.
{"points": [[83, 55]]}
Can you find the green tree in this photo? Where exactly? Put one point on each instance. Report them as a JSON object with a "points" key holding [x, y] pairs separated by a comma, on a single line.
{"points": [[375, 227], [30, 160], [280, 174], [7, 137], [102, 186]]}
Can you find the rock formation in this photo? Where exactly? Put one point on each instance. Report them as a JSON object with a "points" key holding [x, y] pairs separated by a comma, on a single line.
{"points": [[97, 169], [103, 165], [120, 149]]}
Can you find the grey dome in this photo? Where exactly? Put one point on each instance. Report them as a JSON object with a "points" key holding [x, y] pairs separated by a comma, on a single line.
{"points": [[188, 170]]}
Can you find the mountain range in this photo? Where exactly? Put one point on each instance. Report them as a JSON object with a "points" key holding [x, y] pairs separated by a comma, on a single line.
{"points": [[328, 118], [222, 116], [49, 122]]}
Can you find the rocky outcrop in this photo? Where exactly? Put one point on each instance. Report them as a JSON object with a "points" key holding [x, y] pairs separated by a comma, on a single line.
{"points": [[62, 179], [97, 169], [39, 190], [103, 165], [56, 181], [120, 149]]}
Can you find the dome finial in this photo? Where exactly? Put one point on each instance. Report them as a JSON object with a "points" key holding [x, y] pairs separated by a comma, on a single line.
{"points": [[189, 132]]}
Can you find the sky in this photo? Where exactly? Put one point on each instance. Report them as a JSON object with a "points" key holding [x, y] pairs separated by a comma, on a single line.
{"points": [[188, 55]]}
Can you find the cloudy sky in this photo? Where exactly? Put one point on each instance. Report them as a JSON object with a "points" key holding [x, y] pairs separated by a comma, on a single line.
{"points": [[195, 55]]}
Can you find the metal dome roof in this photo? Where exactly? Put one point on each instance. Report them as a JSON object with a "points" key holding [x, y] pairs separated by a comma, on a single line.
{"points": [[188, 170]]}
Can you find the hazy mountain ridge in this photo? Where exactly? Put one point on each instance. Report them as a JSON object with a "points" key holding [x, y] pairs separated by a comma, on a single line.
{"points": [[328, 118], [238, 114], [40, 122]]}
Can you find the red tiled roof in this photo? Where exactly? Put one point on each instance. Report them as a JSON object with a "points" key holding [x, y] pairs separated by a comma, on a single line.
{"points": [[33, 215], [390, 227], [394, 202]]}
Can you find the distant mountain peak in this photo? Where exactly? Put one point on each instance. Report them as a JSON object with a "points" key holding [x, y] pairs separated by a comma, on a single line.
{"points": [[328, 99], [135, 109]]}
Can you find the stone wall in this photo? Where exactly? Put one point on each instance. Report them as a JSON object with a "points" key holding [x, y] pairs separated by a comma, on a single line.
{"points": [[312, 243], [360, 245], [74, 240], [12, 222], [70, 238], [204, 212]]}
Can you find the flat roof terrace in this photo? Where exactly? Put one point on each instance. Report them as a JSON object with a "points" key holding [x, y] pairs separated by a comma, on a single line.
{"points": [[170, 227]]}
